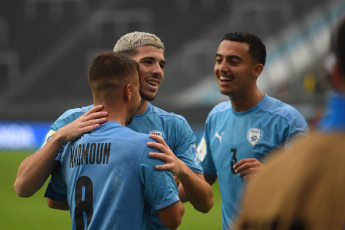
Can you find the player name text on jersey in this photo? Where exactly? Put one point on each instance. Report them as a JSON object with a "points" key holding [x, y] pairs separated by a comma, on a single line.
{"points": [[89, 153]]}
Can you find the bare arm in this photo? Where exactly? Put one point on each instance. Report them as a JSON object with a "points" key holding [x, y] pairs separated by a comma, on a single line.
{"points": [[193, 186], [171, 216], [61, 205], [35, 169]]}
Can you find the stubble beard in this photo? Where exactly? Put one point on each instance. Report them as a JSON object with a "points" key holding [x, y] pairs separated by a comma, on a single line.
{"points": [[146, 97]]}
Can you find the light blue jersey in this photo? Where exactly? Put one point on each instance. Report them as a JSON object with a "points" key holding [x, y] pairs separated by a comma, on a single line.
{"points": [[177, 134], [172, 127], [175, 131], [334, 119], [111, 180], [230, 136]]}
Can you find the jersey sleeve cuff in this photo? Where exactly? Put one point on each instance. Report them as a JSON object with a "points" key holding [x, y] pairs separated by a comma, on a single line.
{"points": [[166, 203], [52, 194]]}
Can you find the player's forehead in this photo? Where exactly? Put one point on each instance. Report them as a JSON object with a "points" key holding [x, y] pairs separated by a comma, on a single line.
{"points": [[149, 52], [232, 48]]}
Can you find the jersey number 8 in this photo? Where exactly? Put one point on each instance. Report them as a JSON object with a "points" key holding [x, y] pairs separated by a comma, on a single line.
{"points": [[85, 205]]}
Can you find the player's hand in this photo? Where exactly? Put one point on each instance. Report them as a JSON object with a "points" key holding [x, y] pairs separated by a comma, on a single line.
{"points": [[85, 123], [172, 163], [247, 167]]}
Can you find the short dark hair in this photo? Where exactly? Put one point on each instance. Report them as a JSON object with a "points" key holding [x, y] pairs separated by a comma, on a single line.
{"points": [[110, 69], [257, 48], [338, 44]]}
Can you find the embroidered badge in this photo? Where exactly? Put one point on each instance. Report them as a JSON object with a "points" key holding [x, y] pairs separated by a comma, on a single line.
{"points": [[254, 136], [202, 149], [194, 153], [49, 135], [157, 133]]}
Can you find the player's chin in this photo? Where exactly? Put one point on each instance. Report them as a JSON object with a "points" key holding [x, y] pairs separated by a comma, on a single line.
{"points": [[225, 93], [148, 96]]}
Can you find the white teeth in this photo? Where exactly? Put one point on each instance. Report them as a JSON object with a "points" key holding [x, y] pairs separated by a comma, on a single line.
{"points": [[152, 83], [224, 78]]}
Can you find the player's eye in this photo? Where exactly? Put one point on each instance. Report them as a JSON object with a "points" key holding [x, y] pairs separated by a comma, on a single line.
{"points": [[234, 62], [219, 60], [147, 62]]}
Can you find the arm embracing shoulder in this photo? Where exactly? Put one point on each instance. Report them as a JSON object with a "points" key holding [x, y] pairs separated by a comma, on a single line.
{"points": [[160, 191]]}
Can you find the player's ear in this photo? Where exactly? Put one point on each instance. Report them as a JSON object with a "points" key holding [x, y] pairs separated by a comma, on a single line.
{"points": [[337, 78], [258, 69], [128, 92]]}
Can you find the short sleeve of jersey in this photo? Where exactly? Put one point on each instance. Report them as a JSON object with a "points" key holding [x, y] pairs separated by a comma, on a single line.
{"points": [[185, 146], [160, 189], [204, 153], [66, 118], [295, 126], [57, 189]]}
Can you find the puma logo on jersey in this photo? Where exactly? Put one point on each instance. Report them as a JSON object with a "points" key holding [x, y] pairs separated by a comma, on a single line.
{"points": [[219, 136]]}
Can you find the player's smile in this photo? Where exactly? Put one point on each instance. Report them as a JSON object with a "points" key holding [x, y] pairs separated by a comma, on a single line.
{"points": [[224, 78], [153, 83]]}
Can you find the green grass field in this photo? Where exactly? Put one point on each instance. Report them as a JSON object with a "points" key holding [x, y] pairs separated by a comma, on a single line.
{"points": [[33, 213]]}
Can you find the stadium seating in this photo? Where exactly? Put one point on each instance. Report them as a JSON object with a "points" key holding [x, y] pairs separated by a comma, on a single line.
{"points": [[46, 46]]}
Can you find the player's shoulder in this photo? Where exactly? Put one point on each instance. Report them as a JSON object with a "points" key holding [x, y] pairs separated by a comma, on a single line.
{"points": [[162, 114], [284, 111], [137, 141], [114, 131], [75, 111], [134, 136], [220, 107], [69, 116], [276, 106]]}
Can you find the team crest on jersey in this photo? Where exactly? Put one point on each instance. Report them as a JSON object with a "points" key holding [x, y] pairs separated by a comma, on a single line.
{"points": [[157, 133], [194, 152], [254, 136]]}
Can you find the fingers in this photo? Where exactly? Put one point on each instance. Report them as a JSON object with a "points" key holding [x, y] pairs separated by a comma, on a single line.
{"points": [[85, 123], [245, 167], [92, 119], [163, 157], [160, 156], [94, 109], [95, 115], [161, 145], [159, 139], [92, 124], [92, 113], [90, 127]]}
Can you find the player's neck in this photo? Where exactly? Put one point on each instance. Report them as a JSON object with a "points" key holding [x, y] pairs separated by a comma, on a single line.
{"points": [[119, 117], [242, 103], [116, 112], [143, 106]]}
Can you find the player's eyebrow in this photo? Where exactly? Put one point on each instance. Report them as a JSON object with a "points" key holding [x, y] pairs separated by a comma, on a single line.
{"points": [[162, 62], [229, 57]]}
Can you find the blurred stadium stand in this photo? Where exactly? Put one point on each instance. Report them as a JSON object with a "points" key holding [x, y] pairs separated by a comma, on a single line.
{"points": [[46, 46]]}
